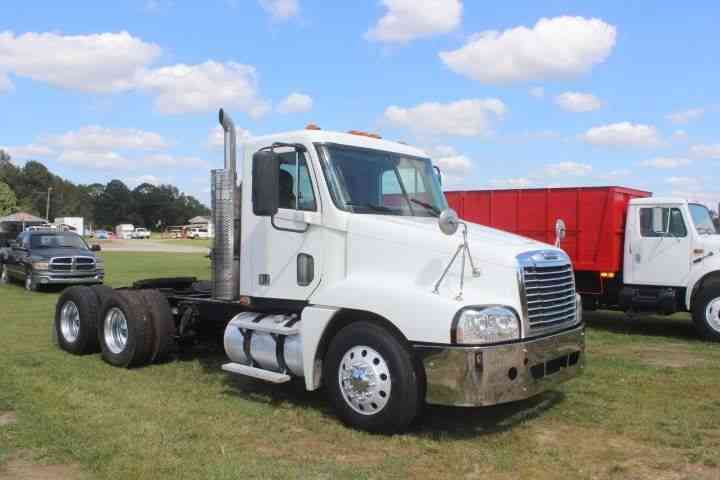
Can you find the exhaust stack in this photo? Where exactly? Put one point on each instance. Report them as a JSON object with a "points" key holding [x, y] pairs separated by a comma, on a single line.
{"points": [[225, 205]]}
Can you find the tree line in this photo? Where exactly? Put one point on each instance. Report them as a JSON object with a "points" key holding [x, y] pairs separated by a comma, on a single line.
{"points": [[26, 189]]}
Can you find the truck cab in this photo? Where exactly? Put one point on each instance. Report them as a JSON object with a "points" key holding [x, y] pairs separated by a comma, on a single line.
{"points": [[672, 247], [338, 262]]}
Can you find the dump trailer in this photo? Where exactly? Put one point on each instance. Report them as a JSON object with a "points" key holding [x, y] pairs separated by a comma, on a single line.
{"points": [[339, 263], [630, 250]]}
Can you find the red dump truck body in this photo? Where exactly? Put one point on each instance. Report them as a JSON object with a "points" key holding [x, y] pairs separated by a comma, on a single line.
{"points": [[594, 217]]}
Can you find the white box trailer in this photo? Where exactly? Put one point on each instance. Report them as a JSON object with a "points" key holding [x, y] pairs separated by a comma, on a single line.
{"points": [[124, 231], [77, 224], [339, 263]]}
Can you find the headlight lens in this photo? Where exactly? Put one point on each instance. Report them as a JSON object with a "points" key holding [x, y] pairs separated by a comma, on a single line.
{"points": [[487, 325], [40, 265]]}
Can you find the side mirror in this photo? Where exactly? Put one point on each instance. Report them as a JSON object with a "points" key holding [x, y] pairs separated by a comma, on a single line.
{"points": [[659, 225], [265, 183], [448, 221], [95, 248], [560, 231]]}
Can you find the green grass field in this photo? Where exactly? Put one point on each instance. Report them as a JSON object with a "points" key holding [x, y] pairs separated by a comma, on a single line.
{"points": [[647, 407]]}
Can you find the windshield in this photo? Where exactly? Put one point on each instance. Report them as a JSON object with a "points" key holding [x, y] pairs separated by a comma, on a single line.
{"points": [[373, 181], [58, 240], [703, 221]]}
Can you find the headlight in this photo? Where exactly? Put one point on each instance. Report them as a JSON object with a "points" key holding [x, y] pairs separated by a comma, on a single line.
{"points": [[40, 265], [99, 263], [487, 325]]}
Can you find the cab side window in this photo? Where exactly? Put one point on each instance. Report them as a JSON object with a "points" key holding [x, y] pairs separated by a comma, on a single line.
{"points": [[296, 190], [672, 223]]}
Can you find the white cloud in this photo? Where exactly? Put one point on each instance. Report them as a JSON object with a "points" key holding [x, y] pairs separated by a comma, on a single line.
{"points": [[6, 85], [624, 134], [133, 182], [94, 138], [204, 87], [614, 174], [706, 151], [281, 9], [216, 137], [683, 181], [520, 182], [105, 62], [470, 117], [296, 103], [407, 20], [557, 47], [537, 92], [578, 102], [665, 162], [164, 160], [571, 169], [28, 152], [685, 116], [96, 160]]}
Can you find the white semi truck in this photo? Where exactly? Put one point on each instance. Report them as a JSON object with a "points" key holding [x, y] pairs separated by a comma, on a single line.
{"points": [[340, 264]]}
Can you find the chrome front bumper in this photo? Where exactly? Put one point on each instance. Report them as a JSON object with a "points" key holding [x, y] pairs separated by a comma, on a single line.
{"points": [[484, 376], [75, 278]]}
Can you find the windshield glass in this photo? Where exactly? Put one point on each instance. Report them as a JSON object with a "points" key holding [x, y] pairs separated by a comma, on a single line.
{"points": [[57, 240], [373, 181], [703, 221]]}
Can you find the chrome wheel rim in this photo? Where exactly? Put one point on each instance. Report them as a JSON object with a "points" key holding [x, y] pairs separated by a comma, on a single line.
{"points": [[28, 283], [115, 330], [712, 314], [70, 321], [364, 379]]}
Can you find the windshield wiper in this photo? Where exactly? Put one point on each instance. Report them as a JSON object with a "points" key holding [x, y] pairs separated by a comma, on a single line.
{"points": [[371, 206], [432, 208]]}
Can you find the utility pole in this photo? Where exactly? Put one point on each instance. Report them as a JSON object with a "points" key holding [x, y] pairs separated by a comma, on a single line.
{"points": [[47, 206]]}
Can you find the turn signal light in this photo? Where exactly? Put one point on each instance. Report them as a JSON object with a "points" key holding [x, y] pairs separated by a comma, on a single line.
{"points": [[607, 274], [364, 134]]}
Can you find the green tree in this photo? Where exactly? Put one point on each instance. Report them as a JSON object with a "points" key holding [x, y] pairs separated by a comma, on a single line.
{"points": [[8, 201]]}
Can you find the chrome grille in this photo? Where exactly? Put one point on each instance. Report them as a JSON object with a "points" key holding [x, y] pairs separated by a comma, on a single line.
{"points": [[69, 264], [61, 264], [549, 290]]}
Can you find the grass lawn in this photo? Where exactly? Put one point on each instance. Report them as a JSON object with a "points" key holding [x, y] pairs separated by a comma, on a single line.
{"points": [[200, 242], [647, 407]]}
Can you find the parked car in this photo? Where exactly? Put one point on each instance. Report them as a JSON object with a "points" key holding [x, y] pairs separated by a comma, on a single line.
{"points": [[49, 257], [102, 235], [196, 233], [140, 234]]}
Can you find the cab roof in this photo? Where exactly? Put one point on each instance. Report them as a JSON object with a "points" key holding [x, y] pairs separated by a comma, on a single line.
{"points": [[326, 136], [658, 200]]}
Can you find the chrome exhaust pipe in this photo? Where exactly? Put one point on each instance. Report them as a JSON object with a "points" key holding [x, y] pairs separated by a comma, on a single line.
{"points": [[225, 203]]}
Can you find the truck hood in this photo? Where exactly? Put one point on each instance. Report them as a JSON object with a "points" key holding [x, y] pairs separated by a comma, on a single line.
{"points": [[488, 245], [47, 253]]}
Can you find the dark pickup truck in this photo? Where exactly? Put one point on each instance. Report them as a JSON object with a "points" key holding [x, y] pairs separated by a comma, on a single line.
{"points": [[47, 257]]}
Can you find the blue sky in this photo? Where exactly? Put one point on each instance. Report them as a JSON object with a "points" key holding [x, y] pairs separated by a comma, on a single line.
{"points": [[520, 94]]}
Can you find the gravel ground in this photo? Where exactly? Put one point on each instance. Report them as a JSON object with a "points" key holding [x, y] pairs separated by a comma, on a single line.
{"points": [[148, 246]]}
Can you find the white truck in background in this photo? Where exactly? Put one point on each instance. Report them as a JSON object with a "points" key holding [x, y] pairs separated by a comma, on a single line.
{"points": [[124, 231], [140, 234], [339, 263], [75, 224]]}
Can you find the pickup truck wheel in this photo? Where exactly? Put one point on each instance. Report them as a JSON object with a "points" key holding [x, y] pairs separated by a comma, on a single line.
{"points": [[30, 284], [75, 321], [371, 379], [163, 324], [125, 333], [706, 313]]}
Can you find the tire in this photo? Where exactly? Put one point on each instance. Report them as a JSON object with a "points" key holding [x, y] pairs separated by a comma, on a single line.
{"points": [[125, 331], [706, 312], [75, 324], [30, 284], [396, 398], [102, 292], [4, 275], [163, 324]]}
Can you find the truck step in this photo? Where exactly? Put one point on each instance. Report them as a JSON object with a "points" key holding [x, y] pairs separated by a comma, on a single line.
{"points": [[247, 321], [267, 375]]}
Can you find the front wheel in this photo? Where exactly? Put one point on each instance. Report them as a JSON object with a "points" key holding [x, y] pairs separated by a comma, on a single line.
{"points": [[706, 313], [371, 379]]}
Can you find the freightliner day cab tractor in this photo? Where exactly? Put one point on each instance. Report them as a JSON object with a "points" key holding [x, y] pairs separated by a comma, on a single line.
{"points": [[338, 262], [631, 251]]}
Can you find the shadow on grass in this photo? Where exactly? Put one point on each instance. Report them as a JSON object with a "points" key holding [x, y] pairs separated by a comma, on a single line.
{"points": [[435, 422], [678, 326]]}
